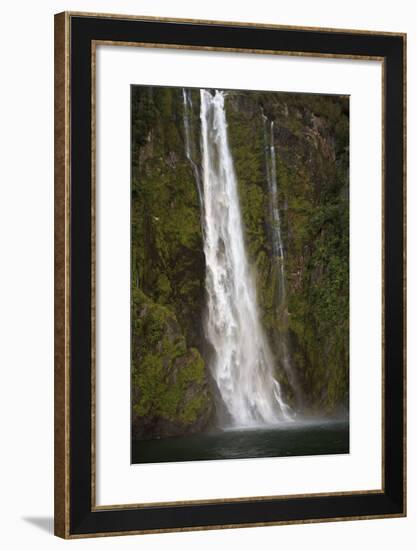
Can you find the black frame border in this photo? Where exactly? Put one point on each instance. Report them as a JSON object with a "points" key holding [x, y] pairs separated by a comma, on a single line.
{"points": [[79, 518]]}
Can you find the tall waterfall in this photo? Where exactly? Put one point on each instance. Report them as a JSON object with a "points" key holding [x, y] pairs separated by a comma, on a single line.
{"points": [[242, 363], [278, 252]]}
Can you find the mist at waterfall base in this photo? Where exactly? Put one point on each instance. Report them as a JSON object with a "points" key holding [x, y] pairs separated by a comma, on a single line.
{"points": [[254, 417], [298, 438]]}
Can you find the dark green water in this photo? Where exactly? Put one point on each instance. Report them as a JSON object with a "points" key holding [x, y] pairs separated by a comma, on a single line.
{"points": [[297, 438]]}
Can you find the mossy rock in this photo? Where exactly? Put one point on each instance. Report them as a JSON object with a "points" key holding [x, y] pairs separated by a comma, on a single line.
{"points": [[170, 391]]}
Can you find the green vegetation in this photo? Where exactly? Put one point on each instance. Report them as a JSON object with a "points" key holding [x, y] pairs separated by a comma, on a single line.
{"points": [[169, 383], [170, 380], [167, 250]]}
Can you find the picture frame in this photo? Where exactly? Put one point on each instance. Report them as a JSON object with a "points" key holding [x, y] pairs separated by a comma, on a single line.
{"points": [[77, 514]]}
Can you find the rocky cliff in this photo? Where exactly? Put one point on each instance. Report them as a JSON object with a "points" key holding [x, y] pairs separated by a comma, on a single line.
{"points": [[171, 388]]}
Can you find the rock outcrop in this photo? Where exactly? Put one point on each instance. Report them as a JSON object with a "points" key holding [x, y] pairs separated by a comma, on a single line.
{"points": [[170, 389]]}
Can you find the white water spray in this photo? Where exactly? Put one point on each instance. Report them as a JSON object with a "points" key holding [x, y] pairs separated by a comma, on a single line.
{"points": [[242, 363]]}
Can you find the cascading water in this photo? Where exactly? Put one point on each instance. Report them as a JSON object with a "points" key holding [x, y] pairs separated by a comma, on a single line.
{"points": [[242, 363], [190, 149], [276, 236], [278, 253]]}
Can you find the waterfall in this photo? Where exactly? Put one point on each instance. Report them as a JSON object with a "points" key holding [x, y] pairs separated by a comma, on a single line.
{"points": [[190, 150], [276, 236], [278, 253], [242, 363]]}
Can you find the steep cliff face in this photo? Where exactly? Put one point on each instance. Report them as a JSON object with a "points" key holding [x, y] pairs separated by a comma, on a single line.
{"points": [[167, 250], [168, 267], [170, 394], [311, 137]]}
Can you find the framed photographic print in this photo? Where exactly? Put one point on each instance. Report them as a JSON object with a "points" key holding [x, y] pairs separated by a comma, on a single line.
{"points": [[229, 275]]}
